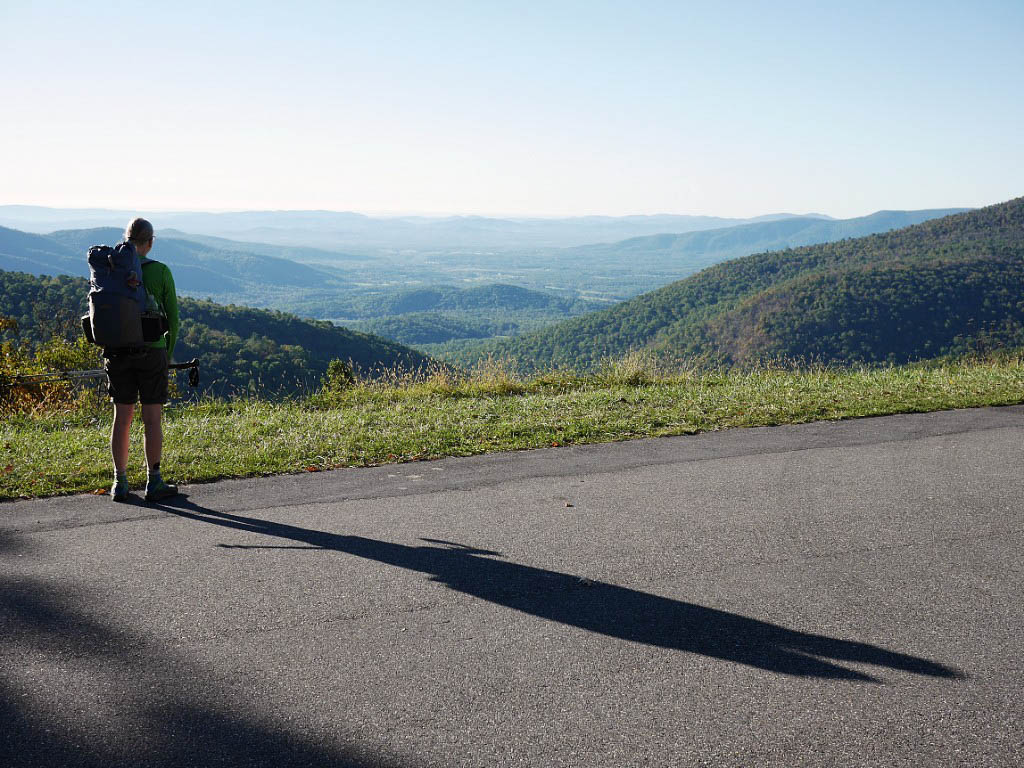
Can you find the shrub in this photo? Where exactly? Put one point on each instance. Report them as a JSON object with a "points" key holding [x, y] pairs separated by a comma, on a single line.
{"points": [[18, 360], [637, 368], [495, 376], [339, 376]]}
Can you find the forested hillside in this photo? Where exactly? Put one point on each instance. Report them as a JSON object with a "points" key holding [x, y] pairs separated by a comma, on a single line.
{"points": [[917, 292], [241, 349]]}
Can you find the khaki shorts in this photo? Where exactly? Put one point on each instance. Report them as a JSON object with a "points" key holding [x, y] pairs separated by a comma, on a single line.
{"points": [[135, 376]]}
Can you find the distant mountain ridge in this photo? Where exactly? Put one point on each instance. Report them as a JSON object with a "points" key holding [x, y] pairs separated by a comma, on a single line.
{"points": [[929, 289], [340, 230], [197, 268], [38, 255], [696, 250]]}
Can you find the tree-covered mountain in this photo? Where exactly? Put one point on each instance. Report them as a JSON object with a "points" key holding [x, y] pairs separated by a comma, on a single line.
{"points": [[241, 349], [274, 351], [918, 292]]}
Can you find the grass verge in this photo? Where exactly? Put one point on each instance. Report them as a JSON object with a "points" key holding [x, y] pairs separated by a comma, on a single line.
{"points": [[367, 424]]}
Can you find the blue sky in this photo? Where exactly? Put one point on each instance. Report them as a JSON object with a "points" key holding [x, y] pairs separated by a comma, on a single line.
{"points": [[547, 108]]}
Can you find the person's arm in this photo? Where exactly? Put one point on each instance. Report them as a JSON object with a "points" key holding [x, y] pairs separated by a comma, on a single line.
{"points": [[170, 304]]}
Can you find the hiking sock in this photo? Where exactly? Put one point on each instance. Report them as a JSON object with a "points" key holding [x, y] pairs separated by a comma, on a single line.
{"points": [[119, 492], [156, 487]]}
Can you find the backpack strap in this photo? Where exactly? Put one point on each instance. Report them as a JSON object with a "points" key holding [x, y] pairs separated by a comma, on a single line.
{"points": [[146, 261]]}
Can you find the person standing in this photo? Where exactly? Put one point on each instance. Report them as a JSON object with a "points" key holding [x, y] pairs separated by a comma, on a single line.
{"points": [[140, 374]]}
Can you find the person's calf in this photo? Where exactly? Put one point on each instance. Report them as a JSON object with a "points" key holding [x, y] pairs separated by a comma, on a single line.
{"points": [[152, 420], [120, 435]]}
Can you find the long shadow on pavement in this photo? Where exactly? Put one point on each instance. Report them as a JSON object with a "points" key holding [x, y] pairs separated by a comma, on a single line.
{"points": [[153, 709], [610, 610]]}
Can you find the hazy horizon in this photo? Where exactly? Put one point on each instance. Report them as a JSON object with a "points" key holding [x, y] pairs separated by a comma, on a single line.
{"points": [[453, 215]]}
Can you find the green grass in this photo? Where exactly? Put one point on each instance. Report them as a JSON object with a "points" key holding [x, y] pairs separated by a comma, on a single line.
{"points": [[376, 423]]}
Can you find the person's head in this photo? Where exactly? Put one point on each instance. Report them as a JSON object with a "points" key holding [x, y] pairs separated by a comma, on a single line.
{"points": [[139, 233]]}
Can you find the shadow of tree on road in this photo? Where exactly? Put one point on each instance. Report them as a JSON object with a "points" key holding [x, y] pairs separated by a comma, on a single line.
{"points": [[137, 707], [610, 610]]}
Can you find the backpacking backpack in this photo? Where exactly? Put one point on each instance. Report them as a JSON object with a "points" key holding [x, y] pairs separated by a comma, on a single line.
{"points": [[117, 299]]}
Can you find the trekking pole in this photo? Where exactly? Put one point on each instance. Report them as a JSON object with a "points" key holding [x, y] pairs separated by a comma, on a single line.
{"points": [[40, 378], [193, 371], [8, 383]]}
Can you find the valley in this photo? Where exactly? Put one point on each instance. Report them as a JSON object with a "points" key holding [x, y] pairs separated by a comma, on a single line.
{"points": [[444, 297]]}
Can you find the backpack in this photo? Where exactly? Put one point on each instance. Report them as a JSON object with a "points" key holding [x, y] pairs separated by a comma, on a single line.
{"points": [[118, 316]]}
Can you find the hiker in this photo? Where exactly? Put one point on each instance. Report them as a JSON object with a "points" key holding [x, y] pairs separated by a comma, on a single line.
{"points": [[141, 374]]}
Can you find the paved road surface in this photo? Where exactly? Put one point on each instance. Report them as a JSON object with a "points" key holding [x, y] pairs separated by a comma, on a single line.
{"points": [[823, 595]]}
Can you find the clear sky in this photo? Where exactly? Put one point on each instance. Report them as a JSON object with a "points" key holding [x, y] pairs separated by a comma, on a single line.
{"points": [[502, 107]]}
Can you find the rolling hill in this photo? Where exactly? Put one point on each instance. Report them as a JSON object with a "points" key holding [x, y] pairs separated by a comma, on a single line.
{"points": [[241, 349], [913, 293], [39, 255]]}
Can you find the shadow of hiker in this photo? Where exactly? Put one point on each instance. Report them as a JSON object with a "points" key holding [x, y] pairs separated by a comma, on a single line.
{"points": [[618, 612]]}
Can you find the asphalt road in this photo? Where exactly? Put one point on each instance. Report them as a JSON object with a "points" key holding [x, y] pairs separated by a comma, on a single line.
{"points": [[842, 594]]}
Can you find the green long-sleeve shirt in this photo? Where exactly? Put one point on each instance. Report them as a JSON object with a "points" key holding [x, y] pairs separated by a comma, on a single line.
{"points": [[159, 283]]}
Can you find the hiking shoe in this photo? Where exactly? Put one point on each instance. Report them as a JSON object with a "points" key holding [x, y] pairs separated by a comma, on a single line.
{"points": [[119, 492], [160, 490]]}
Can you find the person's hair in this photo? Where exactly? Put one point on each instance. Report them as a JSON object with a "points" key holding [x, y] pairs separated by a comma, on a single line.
{"points": [[138, 231]]}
